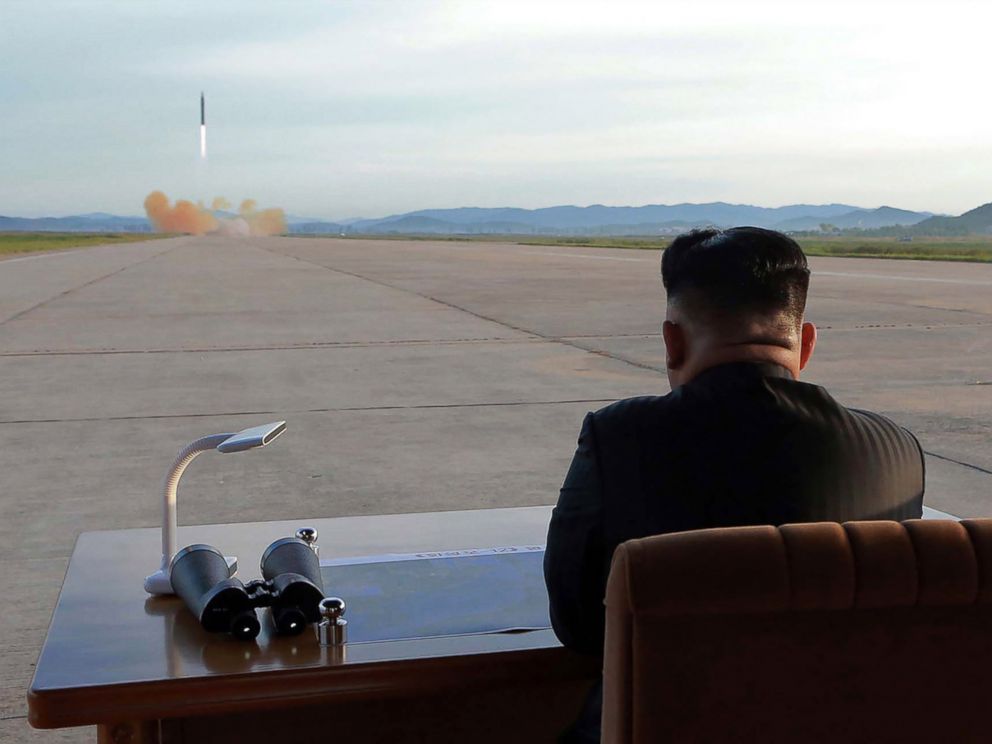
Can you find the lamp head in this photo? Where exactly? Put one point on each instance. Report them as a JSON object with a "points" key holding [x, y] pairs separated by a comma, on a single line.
{"points": [[256, 436], [246, 439]]}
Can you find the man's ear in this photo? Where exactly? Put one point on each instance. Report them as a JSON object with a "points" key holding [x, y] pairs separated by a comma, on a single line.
{"points": [[674, 336], [807, 343]]}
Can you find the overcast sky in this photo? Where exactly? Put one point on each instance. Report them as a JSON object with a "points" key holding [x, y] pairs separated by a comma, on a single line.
{"points": [[341, 109]]}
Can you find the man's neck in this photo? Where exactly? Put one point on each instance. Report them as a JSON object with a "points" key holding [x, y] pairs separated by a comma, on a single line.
{"points": [[718, 355]]}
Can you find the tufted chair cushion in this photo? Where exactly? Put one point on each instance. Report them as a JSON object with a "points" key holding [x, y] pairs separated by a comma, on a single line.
{"points": [[861, 632]]}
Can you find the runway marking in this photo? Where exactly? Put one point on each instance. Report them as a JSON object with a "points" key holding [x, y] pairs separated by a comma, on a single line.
{"points": [[892, 277], [584, 255]]}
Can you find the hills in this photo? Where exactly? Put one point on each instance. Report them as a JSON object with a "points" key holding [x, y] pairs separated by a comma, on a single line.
{"points": [[652, 219], [646, 220], [92, 222], [977, 220], [859, 219], [597, 219]]}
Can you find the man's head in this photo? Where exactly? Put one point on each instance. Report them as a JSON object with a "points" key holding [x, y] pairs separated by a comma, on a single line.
{"points": [[735, 295]]}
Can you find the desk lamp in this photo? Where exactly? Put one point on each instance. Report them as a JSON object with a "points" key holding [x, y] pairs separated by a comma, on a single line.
{"points": [[256, 436]]}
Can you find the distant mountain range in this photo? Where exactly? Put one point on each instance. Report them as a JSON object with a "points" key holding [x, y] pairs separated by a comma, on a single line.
{"points": [[858, 219], [977, 220], [92, 222], [653, 219]]}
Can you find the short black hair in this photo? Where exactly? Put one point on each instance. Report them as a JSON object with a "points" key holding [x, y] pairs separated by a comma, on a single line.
{"points": [[741, 270]]}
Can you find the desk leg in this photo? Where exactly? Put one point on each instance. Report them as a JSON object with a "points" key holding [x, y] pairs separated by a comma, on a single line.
{"points": [[128, 732]]}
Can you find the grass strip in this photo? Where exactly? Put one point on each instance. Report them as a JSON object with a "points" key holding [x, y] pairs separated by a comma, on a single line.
{"points": [[30, 242]]}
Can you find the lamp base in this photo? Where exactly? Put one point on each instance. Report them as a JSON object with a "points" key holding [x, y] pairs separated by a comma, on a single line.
{"points": [[159, 583]]}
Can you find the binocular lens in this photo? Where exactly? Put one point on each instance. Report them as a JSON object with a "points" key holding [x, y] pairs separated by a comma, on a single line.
{"points": [[245, 626], [289, 620]]}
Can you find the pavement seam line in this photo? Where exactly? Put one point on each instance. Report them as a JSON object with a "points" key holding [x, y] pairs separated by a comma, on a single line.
{"points": [[343, 409], [841, 298], [370, 344], [312, 346], [962, 463], [91, 282], [905, 326], [520, 329]]}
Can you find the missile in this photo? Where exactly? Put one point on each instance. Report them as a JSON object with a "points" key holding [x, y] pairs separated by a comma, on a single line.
{"points": [[203, 127]]}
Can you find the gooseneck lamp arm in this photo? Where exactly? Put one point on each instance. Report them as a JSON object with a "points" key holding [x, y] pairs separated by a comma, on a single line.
{"points": [[257, 436], [169, 510]]}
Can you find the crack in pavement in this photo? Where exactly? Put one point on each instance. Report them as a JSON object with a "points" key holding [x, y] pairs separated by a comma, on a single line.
{"points": [[317, 345], [979, 468], [280, 412], [302, 346]]}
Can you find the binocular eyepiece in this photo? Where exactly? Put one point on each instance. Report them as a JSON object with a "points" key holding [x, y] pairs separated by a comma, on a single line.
{"points": [[291, 586]]}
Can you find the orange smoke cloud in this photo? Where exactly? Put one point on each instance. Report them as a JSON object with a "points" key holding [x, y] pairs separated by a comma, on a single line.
{"points": [[263, 222], [193, 219], [184, 217]]}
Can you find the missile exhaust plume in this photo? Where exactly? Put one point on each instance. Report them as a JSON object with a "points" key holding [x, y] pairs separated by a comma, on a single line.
{"points": [[193, 219], [183, 217]]}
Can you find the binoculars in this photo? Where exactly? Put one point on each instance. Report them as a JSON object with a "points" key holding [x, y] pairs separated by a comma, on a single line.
{"points": [[291, 586]]}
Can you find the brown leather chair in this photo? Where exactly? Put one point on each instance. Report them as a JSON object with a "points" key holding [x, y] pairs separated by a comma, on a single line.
{"points": [[862, 632]]}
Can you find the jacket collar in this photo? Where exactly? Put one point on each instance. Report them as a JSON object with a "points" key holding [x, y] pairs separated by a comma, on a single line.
{"points": [[724, 373]]}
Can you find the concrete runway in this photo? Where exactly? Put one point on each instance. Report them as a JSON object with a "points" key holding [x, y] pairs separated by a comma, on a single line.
{"points": [[414, 375]]}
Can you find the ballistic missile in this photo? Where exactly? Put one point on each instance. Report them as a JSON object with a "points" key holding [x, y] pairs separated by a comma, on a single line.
{"points": [[203, 127]]}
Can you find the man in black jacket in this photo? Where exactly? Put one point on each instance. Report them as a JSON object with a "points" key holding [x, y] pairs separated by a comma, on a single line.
{"points": [[738, 441]]}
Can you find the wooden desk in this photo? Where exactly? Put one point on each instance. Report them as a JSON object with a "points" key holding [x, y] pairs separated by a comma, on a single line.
{"points": [[142, 670]]}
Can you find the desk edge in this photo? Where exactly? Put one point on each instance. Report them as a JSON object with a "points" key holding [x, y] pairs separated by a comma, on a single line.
{"points": [[86, 706]]}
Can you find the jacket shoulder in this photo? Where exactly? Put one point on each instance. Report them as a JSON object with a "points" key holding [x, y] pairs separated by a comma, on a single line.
{"points": [[885, 427], [631, 408]]}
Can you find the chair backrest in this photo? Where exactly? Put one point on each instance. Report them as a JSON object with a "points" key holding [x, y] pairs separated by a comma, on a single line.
{"points": [[861, 632]]}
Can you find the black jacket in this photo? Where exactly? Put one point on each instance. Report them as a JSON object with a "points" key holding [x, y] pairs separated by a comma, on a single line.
{"points": [[740, 444]]}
